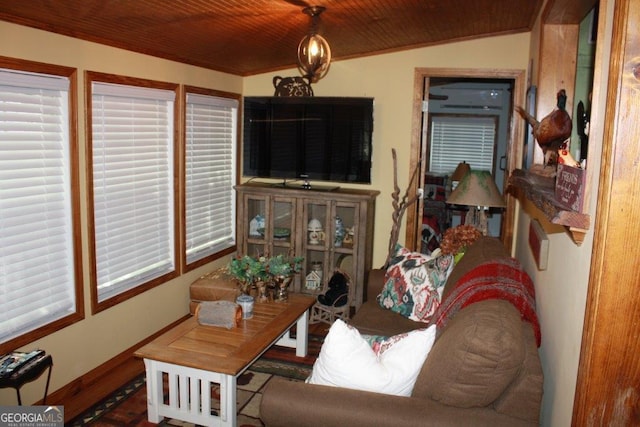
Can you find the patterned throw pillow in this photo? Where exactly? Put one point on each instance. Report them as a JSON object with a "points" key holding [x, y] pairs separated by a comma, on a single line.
{"points": [[380, 343], [414, 283]]}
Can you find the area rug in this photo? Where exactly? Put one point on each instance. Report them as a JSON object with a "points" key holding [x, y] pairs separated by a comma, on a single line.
{"points": [[127, 406]]}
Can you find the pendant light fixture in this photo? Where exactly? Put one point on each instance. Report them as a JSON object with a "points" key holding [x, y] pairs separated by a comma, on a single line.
{"points": [[314, 53]]}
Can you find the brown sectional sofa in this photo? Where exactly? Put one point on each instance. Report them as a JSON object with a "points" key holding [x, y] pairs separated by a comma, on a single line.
{"points": [[483, 370]]}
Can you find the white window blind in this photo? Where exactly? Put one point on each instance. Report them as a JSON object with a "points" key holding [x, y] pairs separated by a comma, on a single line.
{"points": [[37, 281], [133, 191], [458, 138], [211, 132]]}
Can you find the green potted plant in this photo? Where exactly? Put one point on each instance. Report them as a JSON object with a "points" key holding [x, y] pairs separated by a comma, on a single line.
{"points": [[278, 270], [284, 265], [248, 270]]}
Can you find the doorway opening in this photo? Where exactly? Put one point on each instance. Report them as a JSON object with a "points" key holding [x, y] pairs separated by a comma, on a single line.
{"points": [[462, 116]]}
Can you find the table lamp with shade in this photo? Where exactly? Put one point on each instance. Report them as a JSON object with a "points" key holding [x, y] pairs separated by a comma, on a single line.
{"points": [[459, 173], [478, 190]]}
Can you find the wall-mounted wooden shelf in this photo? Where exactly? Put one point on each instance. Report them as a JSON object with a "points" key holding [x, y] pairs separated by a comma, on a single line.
{"points": [[541, 192]]}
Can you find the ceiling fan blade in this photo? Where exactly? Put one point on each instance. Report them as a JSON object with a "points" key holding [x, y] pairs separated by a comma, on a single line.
{"points": [[299, 3]]}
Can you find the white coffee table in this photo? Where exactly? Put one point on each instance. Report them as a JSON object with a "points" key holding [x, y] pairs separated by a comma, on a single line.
{"points": [[193, 357]]}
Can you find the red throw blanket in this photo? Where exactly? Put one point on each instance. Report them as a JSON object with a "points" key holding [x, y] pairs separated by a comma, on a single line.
{"points": [[502, 279]]}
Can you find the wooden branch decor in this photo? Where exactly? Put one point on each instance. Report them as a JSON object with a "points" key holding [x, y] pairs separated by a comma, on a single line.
{"points": [[399, 205]]}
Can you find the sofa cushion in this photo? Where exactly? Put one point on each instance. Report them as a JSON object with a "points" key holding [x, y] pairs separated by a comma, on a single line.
{"points": [[414, 282], [372, 319], [524, 396], [478, 354], [348, 360]]}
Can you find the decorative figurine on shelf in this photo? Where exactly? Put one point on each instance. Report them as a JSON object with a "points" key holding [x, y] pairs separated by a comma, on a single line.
{"points": [[256, 224], [565, 157], [583, 119], [340, 233], [553, 130], [338, 293], [316, 235], [348, 238], [313, 280], [291, 86]]}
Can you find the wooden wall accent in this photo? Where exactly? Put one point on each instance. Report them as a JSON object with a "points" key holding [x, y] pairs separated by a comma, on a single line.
{"points": [[567, 11], [556, 70], [608, 387]]}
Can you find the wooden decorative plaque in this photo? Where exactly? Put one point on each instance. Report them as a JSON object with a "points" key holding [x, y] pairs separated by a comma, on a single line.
{"points": [[539, 244]]}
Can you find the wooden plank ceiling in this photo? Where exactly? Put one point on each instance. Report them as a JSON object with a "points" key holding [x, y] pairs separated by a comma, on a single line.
{"points": [[246, 37]]}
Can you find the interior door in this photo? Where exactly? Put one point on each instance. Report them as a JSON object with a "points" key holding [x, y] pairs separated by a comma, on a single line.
{"points": [[426, 98], [472, 126]]}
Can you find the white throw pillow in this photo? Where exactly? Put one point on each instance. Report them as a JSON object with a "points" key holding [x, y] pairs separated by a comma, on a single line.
{"points": [[347, 360]]}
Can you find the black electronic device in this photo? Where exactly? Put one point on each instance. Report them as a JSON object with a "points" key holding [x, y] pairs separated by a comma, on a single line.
{"points": [[12, 362], [308, 138]]}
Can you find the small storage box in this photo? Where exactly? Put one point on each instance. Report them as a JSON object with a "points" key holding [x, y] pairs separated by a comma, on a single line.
{"points": [[214, 286]]}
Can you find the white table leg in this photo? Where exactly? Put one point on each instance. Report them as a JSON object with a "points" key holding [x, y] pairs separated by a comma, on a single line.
{"points": [[301, 342], [154, 391], [302, 335], [189, 395], [228, 397]]}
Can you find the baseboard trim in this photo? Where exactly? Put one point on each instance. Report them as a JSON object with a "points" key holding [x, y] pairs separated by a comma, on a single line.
{"points": [[89, 389]]}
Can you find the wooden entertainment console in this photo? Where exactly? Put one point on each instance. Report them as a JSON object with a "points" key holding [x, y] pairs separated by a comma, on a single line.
{"points": [[275, 219]]}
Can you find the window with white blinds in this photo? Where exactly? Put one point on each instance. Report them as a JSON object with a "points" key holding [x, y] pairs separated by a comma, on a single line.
{"points": [[211, 134], [133, 189], [454, 139], [210, 173], [37, 277]]}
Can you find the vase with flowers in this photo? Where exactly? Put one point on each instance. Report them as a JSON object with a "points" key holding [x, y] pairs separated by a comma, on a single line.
{"points": [[281, 269], [262, 271], [249, 271], [457, 239]]}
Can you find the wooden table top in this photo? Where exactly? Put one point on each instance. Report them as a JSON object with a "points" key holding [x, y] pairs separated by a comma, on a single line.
{"points": [[227, 351]]}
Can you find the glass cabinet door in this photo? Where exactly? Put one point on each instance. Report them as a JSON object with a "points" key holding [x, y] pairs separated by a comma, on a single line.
{"points": [[255, 214], [327, 242], [345, 218], [270, 222], [281, 227], [316, 215]]}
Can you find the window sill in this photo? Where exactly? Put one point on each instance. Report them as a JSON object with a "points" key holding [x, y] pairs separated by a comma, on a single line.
{"points": [[540, 191]]}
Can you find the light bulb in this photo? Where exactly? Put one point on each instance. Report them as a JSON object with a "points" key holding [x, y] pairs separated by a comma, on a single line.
{"points": [[314, 57]]}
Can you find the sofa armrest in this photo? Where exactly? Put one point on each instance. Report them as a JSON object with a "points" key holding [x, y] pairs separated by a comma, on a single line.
{"points": [[287, 403], [375, 283]]}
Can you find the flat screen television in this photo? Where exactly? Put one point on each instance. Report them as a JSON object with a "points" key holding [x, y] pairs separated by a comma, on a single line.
{"points": [[308, 138]]}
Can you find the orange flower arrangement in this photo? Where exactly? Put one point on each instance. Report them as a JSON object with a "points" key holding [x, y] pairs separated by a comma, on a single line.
{"points": [[457, 239]]}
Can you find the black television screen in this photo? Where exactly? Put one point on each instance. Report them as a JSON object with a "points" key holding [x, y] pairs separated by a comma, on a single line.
{"points": [[314, 138]]}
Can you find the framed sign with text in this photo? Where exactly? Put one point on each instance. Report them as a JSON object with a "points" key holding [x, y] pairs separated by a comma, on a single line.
{"points": [[570, 183]]}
